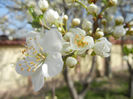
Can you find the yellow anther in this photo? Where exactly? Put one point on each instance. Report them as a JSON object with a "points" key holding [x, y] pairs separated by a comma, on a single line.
{"points": [[29, 69], [22, 69], [23, 51], [20, 64], [33, 70], [34, 52], [32, 63]]}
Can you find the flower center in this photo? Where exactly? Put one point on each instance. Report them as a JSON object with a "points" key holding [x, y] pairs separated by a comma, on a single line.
{"points": [[37, 55], [79, 41]]}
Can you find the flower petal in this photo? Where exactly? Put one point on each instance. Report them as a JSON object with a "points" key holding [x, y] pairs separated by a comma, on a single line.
{"points": [[51, 41], [37, 80], [45, 70], [55, 64], [23, 66]]}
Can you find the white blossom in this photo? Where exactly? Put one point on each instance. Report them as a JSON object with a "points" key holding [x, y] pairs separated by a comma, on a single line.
{"points": [[51, 16], [43, 5], [42, 57], [119, 31], [93, 9], [86, 25], [71, 62], [79, 41], [102, 47]]}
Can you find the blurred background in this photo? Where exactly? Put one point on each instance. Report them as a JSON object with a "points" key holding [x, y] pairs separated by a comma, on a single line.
{"points": [[110, 79]]}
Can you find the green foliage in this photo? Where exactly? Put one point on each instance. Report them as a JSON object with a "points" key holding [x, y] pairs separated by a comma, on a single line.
{"points": [[127, 50]]}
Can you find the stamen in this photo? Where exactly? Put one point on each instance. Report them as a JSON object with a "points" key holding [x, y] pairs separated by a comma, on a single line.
{"points": [[22, 69]]}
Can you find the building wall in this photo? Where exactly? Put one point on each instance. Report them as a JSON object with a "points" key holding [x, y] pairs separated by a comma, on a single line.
{"points": [[9, 79]]}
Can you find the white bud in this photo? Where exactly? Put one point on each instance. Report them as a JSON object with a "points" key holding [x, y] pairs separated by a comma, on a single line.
{"points": [[86, 25], [65, 17], [104, 21], [43, 5], [131, 23], [71, 61], [93, 9], [75, 21], [51, 16], [67, 36], [99, 33], [119, 31], [102, 47], [119, 20], [113, 2]]}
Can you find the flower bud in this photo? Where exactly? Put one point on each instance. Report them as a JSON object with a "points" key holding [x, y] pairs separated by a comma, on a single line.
{"points": [[113, 2], [43, 5], [71, 62], [75, 21], [104, 21], [51, 16], [65, 17], [86, 25], [67, 36], [99, 34], [93, 9], [119, 20], [119, 31], [130, 31], [131, 23]]}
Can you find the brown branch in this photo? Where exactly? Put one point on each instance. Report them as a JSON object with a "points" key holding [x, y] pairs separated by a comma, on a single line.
{"points": [[129, 67], [89, 78], [70, 84]]}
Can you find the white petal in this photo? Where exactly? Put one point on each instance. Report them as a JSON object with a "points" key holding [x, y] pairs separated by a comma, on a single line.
{"points": [[23, 68], [78, 31], [55, 64], [37, 80], [51, 41], [90, 41], [45, 70]]}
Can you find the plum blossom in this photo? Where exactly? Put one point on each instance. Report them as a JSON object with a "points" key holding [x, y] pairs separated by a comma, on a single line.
{"points": [[79, 41], [51, 16], [119, 31], [71, 62], [43, 5], [102, 47], [42, 57]]}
